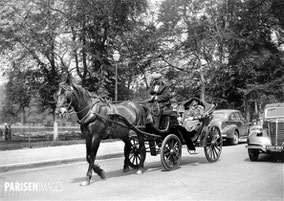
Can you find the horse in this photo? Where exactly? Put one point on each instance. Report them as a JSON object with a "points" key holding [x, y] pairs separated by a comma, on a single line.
{"points": [[96, 124]]}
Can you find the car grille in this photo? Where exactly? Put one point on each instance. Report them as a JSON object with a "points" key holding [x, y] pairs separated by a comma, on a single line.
{"points": [[277, 137]]}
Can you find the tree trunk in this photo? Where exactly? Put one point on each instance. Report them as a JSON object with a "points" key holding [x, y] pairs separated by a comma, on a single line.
{"points": [[246, 108], [255, 107], [55, 127], [23, 115], [202, 93]]}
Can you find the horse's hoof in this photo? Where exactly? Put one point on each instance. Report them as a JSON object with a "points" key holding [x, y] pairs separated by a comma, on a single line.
{"points": [[125, 170], [102, 174], [85, 183], [139, 172]]}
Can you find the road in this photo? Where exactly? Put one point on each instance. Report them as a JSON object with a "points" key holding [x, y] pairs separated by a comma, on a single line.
{"points": [[234, 177]]}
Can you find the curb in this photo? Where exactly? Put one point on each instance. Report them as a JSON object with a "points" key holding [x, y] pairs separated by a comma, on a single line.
{"points": [[12, 167]]}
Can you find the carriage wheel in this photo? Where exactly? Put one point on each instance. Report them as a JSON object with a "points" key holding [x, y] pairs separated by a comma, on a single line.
{"points": [[135, 153], [213, 145], [171, 152]]}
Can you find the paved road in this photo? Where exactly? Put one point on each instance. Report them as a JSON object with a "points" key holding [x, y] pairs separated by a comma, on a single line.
{"points": [[234, 177]]}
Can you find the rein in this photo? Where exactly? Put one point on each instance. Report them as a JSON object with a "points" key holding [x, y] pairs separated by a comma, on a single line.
{"points": [[73, 111], [94, 113], [91, 116]]}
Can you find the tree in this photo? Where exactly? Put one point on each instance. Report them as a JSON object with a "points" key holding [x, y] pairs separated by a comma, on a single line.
{"points": [[255, 61], [32, 28], [195, 35], [96, 28]]}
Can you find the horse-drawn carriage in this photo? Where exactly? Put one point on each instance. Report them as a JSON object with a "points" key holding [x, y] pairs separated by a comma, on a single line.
{"points": [[100, 119], [168, 139]]}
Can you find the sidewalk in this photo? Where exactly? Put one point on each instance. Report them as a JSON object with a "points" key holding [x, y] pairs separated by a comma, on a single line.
{"points": [[37, 157]]}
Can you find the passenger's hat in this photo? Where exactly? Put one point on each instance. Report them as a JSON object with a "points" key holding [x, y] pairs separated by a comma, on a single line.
{"points": [[156, 75]]}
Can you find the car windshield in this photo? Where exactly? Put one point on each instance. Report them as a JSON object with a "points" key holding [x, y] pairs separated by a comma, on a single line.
{"points": [[274, 112], [219, 114]]}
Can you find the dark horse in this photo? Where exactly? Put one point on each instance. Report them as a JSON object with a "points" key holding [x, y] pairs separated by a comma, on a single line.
{"points": [[96, 124]]}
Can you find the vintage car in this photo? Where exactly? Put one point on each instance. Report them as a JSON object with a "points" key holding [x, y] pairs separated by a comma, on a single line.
{"points": [[269, 136], [232, 124]]}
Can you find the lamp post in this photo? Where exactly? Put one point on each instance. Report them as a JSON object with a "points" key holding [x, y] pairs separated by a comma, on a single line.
{"points": [[116, 57]]}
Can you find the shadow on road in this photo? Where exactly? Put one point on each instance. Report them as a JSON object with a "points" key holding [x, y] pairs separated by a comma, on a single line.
{"points": [[273, 158], [191, 160], [226, 143]]}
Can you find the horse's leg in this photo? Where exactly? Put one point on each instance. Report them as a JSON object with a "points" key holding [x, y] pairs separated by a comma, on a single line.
{"points": [[88, 157], [92, 148], [95, 146], [127, 149], [142, 150], [99, 171]]}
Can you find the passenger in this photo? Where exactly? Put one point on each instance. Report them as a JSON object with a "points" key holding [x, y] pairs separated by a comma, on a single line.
{"points": [[6, 132], [192, 117], [9, 132], [160, 98]]}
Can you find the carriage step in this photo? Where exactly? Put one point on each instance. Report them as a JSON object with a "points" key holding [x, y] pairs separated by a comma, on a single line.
{"points": [[192, 152], [152, 146]]}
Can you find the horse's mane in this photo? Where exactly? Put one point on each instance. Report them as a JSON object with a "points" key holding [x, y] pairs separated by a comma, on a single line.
{"points": [[86, 95], [82, 93]]}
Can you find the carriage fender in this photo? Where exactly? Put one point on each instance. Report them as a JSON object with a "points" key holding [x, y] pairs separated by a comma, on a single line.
{"points": [[184, 136]]}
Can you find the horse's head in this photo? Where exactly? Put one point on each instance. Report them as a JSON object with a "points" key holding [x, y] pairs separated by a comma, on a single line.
{"points": [[64, 99]]}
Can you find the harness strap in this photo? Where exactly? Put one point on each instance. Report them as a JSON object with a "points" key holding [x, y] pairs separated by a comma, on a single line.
{"points": [[134, 128], [91, 116]]}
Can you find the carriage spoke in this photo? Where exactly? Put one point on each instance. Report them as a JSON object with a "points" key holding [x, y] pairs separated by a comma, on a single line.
{"points": [[216, 152], [136, 160], [213, 146], [210, 152], [131, 156], [138, 157], [133, 159], [167, 154], [167, 149]]}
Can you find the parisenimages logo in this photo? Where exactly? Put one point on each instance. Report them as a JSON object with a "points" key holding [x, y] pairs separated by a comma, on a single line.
{"points": [[20, 187]]}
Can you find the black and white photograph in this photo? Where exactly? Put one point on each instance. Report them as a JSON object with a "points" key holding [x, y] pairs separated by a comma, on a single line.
{"points": [[142, 100]]}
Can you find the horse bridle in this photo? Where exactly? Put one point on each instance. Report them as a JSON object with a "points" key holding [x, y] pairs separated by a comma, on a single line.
{"points": [[70, 90]]}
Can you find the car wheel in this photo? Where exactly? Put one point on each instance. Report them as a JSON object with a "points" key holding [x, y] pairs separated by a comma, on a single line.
{"points": [[253, 154], [235, 139]]}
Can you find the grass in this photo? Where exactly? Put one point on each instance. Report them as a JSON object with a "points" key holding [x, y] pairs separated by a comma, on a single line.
{"points": [[14, 145]]}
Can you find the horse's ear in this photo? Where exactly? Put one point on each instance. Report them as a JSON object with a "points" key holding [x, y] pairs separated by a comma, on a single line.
{"points": [[69, 80]]}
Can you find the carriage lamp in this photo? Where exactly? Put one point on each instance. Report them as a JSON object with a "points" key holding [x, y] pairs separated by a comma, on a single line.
{"points": [[116, 57]]}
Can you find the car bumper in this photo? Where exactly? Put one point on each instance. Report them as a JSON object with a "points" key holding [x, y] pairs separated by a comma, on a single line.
{"points": [[266, 148]]}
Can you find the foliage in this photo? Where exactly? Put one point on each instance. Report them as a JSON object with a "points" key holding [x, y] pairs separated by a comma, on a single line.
{"points": [[255, 63], [31, 29], [96, 27], [229, 52]]}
